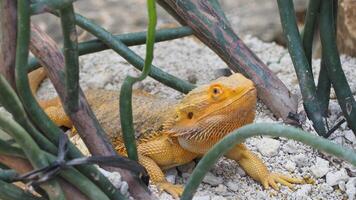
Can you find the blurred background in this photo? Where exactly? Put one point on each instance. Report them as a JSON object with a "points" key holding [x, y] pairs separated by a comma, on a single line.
{"points": [[259, 18]]}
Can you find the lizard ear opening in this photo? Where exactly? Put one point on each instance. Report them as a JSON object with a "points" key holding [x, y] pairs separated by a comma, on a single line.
{"points": [[190, 115]]}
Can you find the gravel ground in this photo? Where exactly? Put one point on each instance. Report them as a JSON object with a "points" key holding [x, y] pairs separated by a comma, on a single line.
{"points": [[191, 60]]}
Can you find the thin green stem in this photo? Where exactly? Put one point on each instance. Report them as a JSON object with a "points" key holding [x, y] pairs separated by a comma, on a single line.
{"points": [[132, 57], [12, 103], [309, 29], [126, 88], [129, 39], [332, 61], [70, 52], [10, 191], [32, 151], [324, 86], [301, 65], [41, 6], [7, 175], [276, 130]]}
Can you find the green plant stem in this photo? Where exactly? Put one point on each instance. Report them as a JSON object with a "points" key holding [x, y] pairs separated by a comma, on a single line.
{"points": [[78, 180], [324, 83], [9, 150], [126, 117], [40, 6], [70, 174], [332, 61], [132, 57], [129, 39], [323, 87], [70, 52], [12, 103], [9, 191], [301, 65], [276, 130], [7, 175], [32, 151], [309, 29]]}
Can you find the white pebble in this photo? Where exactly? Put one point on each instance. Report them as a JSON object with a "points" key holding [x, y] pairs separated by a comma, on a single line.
{"points": [[350, 136], [320, 168], [232, 185], [290, 166], [268, 147], [303, 192], [333, 178], [212, 180], [351, 188], [124, 189]]}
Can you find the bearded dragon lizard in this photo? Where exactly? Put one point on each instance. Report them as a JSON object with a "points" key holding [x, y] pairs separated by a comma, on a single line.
{"points": [[171, 133]]}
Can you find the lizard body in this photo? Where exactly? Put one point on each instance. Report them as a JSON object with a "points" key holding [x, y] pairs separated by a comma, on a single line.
{"points": [[171, 133]]}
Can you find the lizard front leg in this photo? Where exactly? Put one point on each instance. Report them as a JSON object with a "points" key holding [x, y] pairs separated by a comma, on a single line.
{"points": [[257, 170], [163, 153]]}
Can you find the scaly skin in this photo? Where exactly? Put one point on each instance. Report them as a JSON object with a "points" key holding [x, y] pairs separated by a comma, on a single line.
{"points": [[171, 134]]}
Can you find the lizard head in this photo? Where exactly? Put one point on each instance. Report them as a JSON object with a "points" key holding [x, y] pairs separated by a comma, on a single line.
{"points": [[213, 110]]}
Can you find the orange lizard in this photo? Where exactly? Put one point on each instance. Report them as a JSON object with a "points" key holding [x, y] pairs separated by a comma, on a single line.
{"points": [[171, 133]]}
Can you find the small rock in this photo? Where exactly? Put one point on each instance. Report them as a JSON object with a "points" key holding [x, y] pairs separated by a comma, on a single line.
{"points": [[171, 175], [114, 177], [124, 189], [350, 136], [212, 180], [268, 147], [351, 188], [241, 172], [221, 189], [291, 148], [206, 197], [233, 186], [333, 178], [326, 187], [192, 78], [303, 192], [342, 186], [187, 168], [290, 166], [320, 168], [301, 160]]}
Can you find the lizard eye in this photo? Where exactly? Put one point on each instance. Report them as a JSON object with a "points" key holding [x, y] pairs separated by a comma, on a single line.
{"points": [[190, 115], [216, 91]]}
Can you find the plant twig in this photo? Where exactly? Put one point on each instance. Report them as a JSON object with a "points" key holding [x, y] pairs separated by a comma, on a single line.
{"points": [[301, 65], [70, 52], [8, 21], [332, 61]]}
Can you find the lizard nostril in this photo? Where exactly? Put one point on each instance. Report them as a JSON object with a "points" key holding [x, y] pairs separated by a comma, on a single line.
{"points": [[190, 115]]}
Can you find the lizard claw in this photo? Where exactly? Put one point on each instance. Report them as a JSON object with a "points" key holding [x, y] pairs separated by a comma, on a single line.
{"points": [[175, 190], [273, 178]]}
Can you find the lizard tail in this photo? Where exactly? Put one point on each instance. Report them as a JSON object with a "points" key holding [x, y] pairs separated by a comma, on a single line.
{"points": [[35, 78]]}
